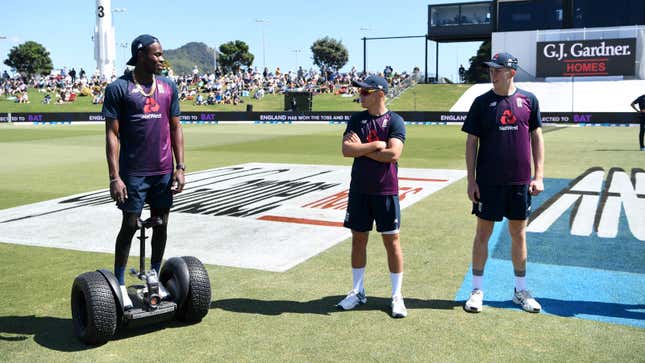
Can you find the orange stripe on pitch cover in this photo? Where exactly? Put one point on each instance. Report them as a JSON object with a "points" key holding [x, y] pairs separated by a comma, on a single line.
{"points": [[315, 222], [425, 179]]}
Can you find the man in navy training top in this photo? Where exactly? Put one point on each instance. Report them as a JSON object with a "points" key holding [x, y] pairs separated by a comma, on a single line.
{"points": [[374, 138], [504, 131], [142, 133], [640, 101]]}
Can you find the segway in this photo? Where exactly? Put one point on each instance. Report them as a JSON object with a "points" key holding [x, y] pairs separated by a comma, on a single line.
{"points": [[97, 303]]}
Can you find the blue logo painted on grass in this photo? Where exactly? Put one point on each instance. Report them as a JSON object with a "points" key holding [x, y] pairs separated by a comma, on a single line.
{"points": [[586, 250]]}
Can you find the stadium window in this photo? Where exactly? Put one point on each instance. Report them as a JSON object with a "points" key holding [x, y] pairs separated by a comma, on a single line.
{"points": [[445, 15], [475, 14], [596, 13], [530, 15]]}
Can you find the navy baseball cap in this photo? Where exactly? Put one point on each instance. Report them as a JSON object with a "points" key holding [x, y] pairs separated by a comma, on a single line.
{"points": [[501, 60], [372, 82], [140, 42]]}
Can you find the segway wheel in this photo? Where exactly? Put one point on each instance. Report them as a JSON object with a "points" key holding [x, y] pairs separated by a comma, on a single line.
{"points": [[94, 312], [198, 300]]}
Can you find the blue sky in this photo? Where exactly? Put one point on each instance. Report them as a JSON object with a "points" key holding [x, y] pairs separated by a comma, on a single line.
{"points": [[65, 28]]}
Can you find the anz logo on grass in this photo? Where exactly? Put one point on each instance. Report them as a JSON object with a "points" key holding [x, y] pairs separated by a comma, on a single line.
{"points": [[597, 208], [596, 220]]}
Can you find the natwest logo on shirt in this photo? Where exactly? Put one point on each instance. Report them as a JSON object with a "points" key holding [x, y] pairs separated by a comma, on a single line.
{"points": [[508, 118], [151, 105], [508, 121]]}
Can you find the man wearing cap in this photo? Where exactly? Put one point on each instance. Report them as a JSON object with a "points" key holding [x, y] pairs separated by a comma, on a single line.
{"points": [[374, 138], [142, 133], [640, 102], [504, 131]]}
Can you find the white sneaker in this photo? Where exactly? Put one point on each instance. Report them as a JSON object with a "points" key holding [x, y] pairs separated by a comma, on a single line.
{"points": [[352, 300], [398, 307], [475, 301], [163, 293], [127, 303], [526, 300]]}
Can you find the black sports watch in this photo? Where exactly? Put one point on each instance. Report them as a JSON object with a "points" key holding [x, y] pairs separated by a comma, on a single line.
{"points": [[181, 166]]}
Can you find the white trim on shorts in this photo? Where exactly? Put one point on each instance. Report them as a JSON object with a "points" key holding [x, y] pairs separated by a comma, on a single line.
{"points": [[394, 231]]}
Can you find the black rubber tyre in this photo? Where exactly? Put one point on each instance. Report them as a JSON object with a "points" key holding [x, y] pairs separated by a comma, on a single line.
{"points": [[198, 300], [94, 313]]}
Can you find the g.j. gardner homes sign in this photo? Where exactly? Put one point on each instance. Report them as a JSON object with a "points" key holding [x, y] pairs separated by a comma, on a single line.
{"points": [[606, 57]]}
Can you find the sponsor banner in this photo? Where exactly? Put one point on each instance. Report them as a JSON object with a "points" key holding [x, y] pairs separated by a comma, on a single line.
{"points": [[414, 118], [262, 216], [594, 118], [586, 249], [581, 58]]}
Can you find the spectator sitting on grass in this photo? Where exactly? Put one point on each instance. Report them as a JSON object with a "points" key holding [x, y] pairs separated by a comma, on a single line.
{"points": [[98, 98], [210, 100], [236, 99], [24, 98], [259, 94], [199, 100]]}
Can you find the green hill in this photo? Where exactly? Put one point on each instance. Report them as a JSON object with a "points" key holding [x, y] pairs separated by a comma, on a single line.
{"points": [[184, 58]]}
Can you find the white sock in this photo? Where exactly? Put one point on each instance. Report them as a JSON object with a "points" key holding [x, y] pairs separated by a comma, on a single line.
{"points": [[358, 275], [397, 281], [520, 283], [162, 291], [126, 298], [478, 282]]}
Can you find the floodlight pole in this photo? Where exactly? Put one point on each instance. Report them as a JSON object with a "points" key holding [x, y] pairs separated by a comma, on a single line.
{"points": [[365, 39], [436, 64], [263, 21], [425, 72], [364, 55]]}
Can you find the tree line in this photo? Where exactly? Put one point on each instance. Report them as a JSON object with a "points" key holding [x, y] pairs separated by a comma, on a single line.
{"points": [[31, 58]]}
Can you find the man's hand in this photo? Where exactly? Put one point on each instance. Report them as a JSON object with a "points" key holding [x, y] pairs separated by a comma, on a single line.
{"points": [[178, 181], [473, 192], [536, 187], [352, 138], [381, 145], [118, 191]]}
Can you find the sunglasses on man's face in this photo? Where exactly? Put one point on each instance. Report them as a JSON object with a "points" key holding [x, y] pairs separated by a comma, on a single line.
{"points": [[367, 91]]}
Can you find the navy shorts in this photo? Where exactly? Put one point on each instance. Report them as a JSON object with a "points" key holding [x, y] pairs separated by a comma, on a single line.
{"points": [[496, 202], [363, 210], [154, 190]]}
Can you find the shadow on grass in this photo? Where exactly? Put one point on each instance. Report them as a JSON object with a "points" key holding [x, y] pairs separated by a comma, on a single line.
{"points": [[570, 308], [50, 332], [127, 332], [619, 150], [323, 306], [58, 333]]}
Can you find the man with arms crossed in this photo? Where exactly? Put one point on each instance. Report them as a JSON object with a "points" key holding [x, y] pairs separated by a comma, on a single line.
{"points": [[374, 138], [504, 130], [142, 133]]}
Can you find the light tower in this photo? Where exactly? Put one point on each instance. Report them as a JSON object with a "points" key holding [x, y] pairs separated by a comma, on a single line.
{"points": [[104, 44]]}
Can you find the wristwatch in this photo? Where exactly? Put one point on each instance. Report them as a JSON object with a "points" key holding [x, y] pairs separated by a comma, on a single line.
{"points": [[181, 166]]}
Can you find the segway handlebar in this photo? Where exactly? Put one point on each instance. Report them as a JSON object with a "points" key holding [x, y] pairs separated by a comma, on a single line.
{"points": [[153, 221]]}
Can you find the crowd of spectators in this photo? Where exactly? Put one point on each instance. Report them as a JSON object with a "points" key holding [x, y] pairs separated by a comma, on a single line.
{"points": [[58, 87], [219, 88], [203, 88]]}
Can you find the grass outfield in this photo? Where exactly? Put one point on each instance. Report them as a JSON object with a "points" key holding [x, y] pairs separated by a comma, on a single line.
{"points": [[422, 97], [264, 316]]}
